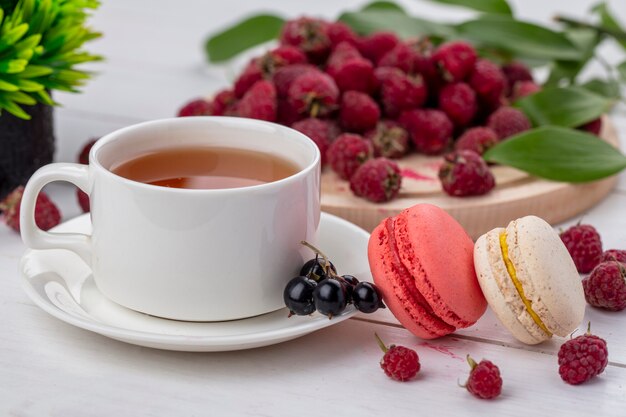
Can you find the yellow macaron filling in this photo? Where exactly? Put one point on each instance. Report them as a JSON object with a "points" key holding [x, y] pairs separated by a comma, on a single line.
{"points": [[518, 285]]}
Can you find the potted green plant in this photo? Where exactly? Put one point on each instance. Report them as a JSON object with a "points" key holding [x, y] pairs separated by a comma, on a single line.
{"points": [[41, 44]]}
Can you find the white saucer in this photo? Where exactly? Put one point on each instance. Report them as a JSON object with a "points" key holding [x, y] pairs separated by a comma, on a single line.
{"points": [[62, 285]]}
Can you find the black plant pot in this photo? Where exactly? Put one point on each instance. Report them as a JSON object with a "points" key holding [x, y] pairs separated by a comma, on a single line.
{"points": [[25, 146]]}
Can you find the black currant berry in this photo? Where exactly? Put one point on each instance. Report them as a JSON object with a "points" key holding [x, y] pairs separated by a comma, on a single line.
{"points": [[314, 269], [330, 297], [298, 296], [349, 282], [366, 297]]}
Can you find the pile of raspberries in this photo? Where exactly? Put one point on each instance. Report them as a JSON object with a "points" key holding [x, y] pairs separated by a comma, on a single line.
{"points": [[368, 100]]}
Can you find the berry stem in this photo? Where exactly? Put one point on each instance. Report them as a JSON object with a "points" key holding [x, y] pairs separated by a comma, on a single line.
{"points": [[472, 362], [381, 343], [327, 269]]}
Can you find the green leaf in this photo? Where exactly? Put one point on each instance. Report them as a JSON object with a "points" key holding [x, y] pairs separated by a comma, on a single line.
{"points": [[522, 38], [621, 68], [22, 98], [7, 86], [13, 108], [369, 21], [12, 36], [569, 107], [244, 35], [608, 20], [487, 6], [33, 71], [559, 154], [12, 66], [43, 97], [384, 5], [606, 88], [586, 41]]}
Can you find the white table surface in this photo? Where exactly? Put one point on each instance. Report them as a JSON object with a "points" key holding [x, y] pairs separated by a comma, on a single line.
{"points": [[49, 368]]}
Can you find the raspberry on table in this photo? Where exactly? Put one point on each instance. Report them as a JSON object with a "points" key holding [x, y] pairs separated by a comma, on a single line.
{"points": [[309, 35], [83, 200], [429, 129], [374, 46], [377, 180], [403, 56], [487, 80], [286, 114], [224, 103], [618, 255], [605, 287], [582, 358], [322, 132], [359, 112], [458, 101], [339, 32], [594, 126], [484, 380], [523, 89], [259, 102], [507, 121], [196, 107], [477, 139], [83, 155], [250, 75], [455, 60], [515, 71], [399, 91], [464, 173], [347, 153], [584, 244], [47, 215], [350, 70], [389, 139], [399, 363], [314, 94], [284, 76]]}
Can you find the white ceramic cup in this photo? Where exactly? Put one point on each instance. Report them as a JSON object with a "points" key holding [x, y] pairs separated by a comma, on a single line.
{"points": [[189, 254]]}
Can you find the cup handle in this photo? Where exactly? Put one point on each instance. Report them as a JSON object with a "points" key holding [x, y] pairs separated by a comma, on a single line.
{"points": [[32, 235]]}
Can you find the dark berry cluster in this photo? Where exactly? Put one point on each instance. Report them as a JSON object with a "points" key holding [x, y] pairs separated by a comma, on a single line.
{"points": [[319, 288]]}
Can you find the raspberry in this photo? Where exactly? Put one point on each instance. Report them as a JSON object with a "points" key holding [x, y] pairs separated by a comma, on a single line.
{"points": [[259, 102], [487, 80], [465, 173], [524, 88], [347, 153], [402, 56], [350, 70], [47, 215], [83, 200], [377, 180], [322, 132], [594, 126], [458, 101], [584, 245], [515, 71], [251, 74], [455, 59], [359, 112], [224, 103], [83, 156], [340, 32], [430, 130], [284, 76], [286, 114], [507, 121], [196, 107], [484, 380], [477, 139], [399, 92], [314, 94], [309, 35], [398, 362], [582, 358], [389, 139], [605, 287], [613, 255], [374, 46]]}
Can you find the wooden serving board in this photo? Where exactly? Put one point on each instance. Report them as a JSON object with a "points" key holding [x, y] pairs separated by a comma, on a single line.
{"points": [[516, 194]]}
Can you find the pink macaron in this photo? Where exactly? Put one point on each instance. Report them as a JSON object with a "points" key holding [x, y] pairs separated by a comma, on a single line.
{"points": [[422, 262]]}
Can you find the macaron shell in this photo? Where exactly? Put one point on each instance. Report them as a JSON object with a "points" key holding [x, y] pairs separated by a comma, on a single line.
{"points": [[500, 292], [548, 274], [398, 287], [438, 253]]}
